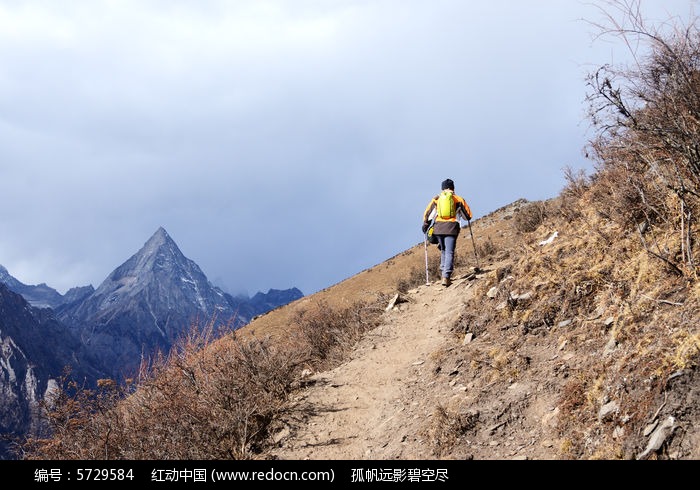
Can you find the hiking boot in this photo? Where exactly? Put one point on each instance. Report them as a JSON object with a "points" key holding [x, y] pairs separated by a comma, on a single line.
{"points": [[446, 281]]}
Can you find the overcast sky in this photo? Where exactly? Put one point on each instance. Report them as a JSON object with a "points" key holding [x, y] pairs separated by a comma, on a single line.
{"points": [[280, 143]]}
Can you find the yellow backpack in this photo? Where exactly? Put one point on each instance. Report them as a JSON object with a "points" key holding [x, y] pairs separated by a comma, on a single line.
{"points": [[446, 208]]}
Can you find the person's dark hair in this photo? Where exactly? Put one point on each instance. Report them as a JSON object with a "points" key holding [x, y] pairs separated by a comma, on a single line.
{"points": [[448, 184]]}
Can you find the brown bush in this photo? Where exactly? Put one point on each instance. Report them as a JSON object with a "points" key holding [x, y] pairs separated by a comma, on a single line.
{"points": [[216, 403], [647, 122], [486, 248], [330, 333], [573, 194], [529, 217], [447, 426]]}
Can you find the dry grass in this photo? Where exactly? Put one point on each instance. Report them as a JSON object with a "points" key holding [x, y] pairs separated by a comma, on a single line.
{"points": [[448, 425]]}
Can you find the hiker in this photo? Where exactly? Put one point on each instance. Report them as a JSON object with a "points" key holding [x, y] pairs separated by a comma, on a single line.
{"points": [[444, 209]]}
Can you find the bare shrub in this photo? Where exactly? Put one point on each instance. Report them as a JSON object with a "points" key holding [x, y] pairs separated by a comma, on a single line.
{"points": [[82, 423], [447, 427], [415, 277], [213, 404], [192, 404], [486, 248], [572, 195], [647, 121], [330, 332], [529, 217]]}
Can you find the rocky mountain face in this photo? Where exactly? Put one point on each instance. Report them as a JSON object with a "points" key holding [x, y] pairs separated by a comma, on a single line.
{"points": [[274, 298], [144, 306], [249, 308], [36, 349]]}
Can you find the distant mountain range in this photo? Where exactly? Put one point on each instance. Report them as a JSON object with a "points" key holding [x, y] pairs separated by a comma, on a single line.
{"points": [[144, 306]]}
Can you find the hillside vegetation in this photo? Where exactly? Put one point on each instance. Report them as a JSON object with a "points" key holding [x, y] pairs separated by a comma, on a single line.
{"points": [[590, 300]]}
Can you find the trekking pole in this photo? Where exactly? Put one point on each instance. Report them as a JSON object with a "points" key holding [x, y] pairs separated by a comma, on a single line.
{"points": [[473, 244], [427, 278]]}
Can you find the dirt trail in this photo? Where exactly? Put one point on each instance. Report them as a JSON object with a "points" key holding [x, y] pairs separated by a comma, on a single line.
{"points": [[374, 406]]}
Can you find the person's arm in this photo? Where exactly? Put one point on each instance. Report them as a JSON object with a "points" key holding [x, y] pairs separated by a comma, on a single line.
{"points": [[428, 215], [464, 213], [464, 208], [429, 212]]}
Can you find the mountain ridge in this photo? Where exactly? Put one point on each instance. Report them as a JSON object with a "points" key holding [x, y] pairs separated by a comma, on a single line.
{"points": [[44, 296]]}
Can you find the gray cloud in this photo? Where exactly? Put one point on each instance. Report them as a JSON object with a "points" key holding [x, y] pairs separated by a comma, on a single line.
{"points": [[266, 137]]}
